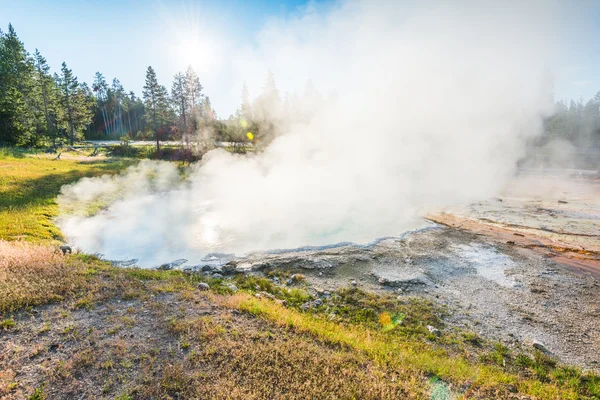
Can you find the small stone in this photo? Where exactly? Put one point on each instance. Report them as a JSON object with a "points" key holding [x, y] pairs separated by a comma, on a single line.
{"points": [[289, 282], [434, 330], [354, 283], [232, 287], [216, 275], [208, 268], [66, 249], [540, 346], [320, 273], [203, 286], [399, 290], [326, 293], [318, 302], [305, 306], [399, 297], [383, 281]]}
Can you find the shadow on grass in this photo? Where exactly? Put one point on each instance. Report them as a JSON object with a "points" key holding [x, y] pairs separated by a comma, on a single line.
{"points": [[44, 189]]}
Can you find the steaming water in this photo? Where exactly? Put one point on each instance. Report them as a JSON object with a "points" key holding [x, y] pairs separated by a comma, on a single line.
{"points": [[203, 243]]}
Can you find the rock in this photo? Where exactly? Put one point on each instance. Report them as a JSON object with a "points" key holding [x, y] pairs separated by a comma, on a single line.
{"points": [[208, 268], [216, 275], [318, 302], [562, 202], [540, 346], [166, 267], [383, 281], [66, 249], [326, 294], [354, 283], [434, 330], [306, 306], [289, 282], [267, 295], [232, 287], [260, 266], [229, 268], [203, 286]]}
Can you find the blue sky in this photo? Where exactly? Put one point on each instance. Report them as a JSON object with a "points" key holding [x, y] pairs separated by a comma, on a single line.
{"points": [[121, 38]]}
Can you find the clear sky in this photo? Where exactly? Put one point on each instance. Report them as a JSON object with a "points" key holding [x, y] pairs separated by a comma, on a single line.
{"points": [[120, 38]]}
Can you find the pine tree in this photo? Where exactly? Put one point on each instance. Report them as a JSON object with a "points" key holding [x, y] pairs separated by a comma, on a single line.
{"points": [[100, 88], [117, 94], [193, 88], [178, 94], [156, 102], [207, 109], [75, 102], [48, 90], [18, 119], [246, 107]]}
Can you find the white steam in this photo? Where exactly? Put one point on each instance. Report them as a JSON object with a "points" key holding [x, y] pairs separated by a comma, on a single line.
{"points": [[432, 107]]}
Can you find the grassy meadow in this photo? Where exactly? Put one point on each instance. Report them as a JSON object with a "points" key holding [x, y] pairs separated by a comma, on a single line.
{"points": [[73, 326]]}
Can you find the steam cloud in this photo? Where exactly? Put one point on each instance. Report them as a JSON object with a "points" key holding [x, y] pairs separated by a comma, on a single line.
{"points": [[433, 106]]}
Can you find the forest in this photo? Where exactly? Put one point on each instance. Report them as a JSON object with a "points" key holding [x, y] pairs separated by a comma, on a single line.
{"points": [[39, 108]]}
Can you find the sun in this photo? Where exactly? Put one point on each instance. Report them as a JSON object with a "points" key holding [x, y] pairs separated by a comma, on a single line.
{"points": [[196, 51]]}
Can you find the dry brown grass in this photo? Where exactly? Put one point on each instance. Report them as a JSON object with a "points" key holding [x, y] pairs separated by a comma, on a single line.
{"points": [[237, 357], [33, 274]]}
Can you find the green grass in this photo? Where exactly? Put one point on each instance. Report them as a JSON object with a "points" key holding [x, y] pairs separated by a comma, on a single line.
{"points": [[29, 184], [412, 356]]}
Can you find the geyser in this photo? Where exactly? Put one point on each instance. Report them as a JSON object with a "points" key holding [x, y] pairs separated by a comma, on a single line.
{"points": [[432, 106]]}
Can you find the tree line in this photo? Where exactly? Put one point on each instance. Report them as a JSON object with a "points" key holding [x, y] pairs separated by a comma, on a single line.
{"points": [[577, 122], [38, 108], [35, 106]]}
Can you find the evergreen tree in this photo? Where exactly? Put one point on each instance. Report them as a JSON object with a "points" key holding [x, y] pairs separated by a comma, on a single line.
{"points": [[178, 94], [246, 107], [75, 102], [117, 93], [48, 90], [156, 102], [100, 88], [207, 109], [18, 119], [193, 88]]}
